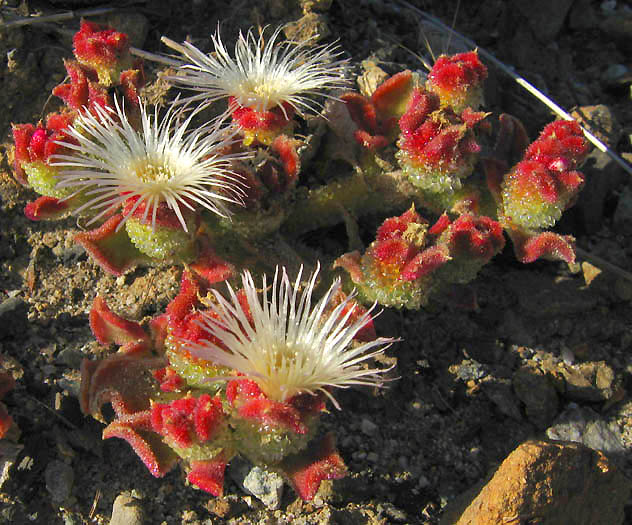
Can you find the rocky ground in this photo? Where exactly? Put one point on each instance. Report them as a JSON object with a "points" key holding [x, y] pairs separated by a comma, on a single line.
{"points": [[547, 355]]}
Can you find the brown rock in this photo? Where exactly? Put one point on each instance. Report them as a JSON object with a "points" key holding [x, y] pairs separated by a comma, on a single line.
{"points": [[594, 381], [546, 483], [127, 511], [536, 391], [372, 76], [602, 176], [545, 18], [309, 26]]}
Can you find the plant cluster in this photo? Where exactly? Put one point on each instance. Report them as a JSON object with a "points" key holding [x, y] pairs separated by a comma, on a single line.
{"points": [[249, 371], [245, 376]]}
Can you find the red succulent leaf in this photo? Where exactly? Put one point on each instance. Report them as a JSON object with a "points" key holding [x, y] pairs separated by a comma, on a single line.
{"points": [[96, 45], [253, 120], [207, 417], [285, 147], [425, 263], [437, 138], [458, 72], [469, 145], [443, 147], [251, 403], [108, 327], [181, 318], [137, 420], [370, 142], [121, 379], [75, 92], [367, 332], [512, 140], [273, 413], [190, 329], [187, 299], [546, 176], [471, 118], [56, 122], [306, 471], [88, 368], [50, 145], [440, 226], [241, 390], [309, 404], [22, 134], [6, 421], [571, 181], [99, 97], [477, 237], [168, 379], [39, 143], [533, 179], [44, 208], [351, 262], [269, 175], [545, 245], [394, 227], [362, 112], [209, 474], [156, 456], [112, 250], [175, 421], [561, 138], [421, 105], [561, 147], [7, 383], [393, 94], [131, 81], [494, 170], [184, 421], [242, 298], [377, 117], [393, 251]]}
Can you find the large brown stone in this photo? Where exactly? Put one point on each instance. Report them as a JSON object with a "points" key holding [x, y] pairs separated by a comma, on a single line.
{"points": [[546, 483]]}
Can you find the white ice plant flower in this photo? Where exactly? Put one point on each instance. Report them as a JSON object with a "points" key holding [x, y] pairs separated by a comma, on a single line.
{"points": [[165, 161], [290, 347], [261, 75]]}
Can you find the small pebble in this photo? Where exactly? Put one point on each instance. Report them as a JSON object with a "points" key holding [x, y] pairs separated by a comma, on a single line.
{"points": [[613, 73], [368, 427], [59, 480], [127, 511], [265, 486]]}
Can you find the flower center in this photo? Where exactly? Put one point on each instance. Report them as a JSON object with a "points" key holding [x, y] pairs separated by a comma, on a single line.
{"points": [[258, 92], [283, 357], [153, 172]]}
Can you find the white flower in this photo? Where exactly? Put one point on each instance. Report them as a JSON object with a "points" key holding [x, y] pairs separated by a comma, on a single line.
{"points": [[261, 75], [111, 162], [290, 347]]}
